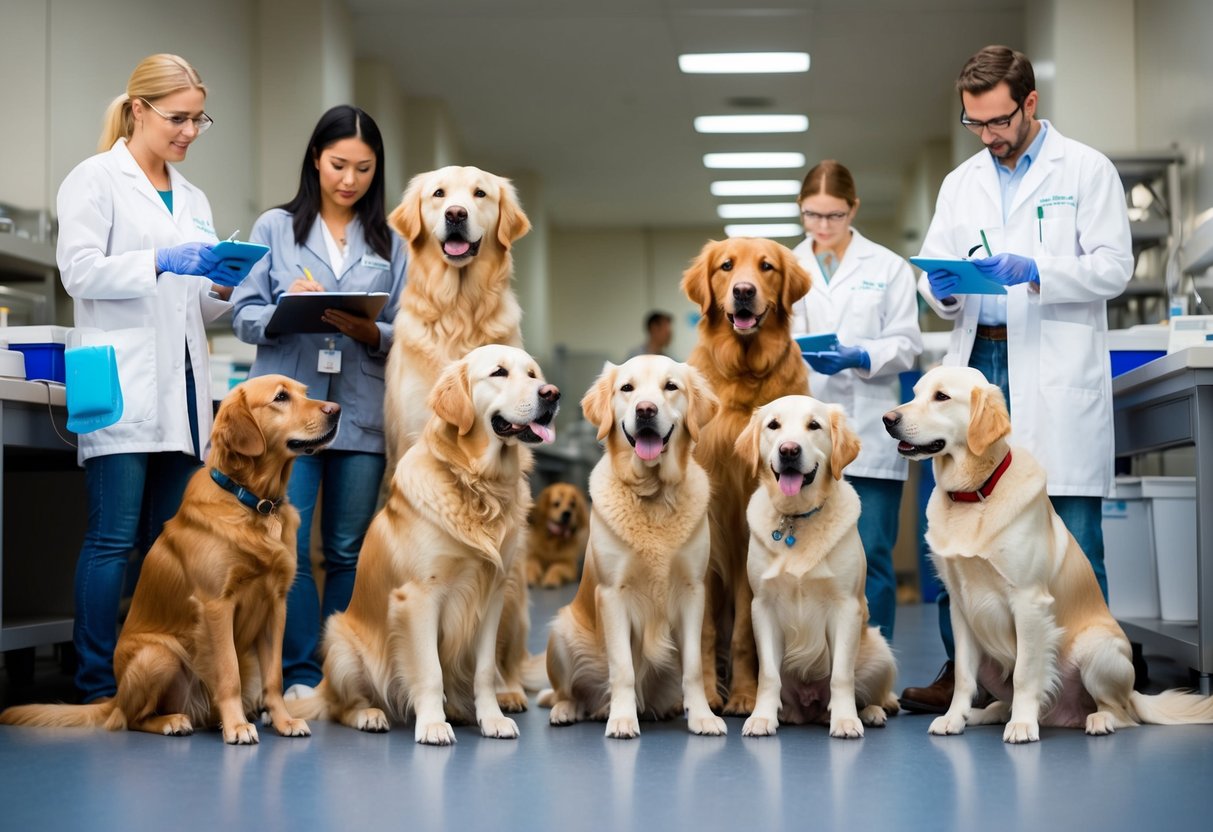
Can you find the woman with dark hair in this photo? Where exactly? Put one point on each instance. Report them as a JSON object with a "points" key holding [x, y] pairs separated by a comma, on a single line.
{"points": [[332, 237]]}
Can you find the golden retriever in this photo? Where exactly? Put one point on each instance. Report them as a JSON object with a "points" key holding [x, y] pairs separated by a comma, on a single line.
{"points": [[615, 650], [422, 624], [744, 289], [459, 224], [559, 526], [202, 643], [1029, 620], [807, 570]]}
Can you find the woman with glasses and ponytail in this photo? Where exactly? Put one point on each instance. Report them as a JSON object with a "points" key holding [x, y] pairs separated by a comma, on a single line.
{"points": [[864, 295], [134, 252]]}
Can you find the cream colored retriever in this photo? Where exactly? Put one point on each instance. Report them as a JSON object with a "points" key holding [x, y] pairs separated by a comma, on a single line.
{"points": [[615, 651], [1029, 619], [421, 627], [202, 644], [459, 223], [807, 568]]}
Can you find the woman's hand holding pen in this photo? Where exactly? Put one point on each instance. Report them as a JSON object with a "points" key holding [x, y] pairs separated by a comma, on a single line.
{"points": [[307, 283]]}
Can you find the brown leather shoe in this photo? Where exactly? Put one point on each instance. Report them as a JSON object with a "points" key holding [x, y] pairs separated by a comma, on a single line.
{"points": [[936, 697]]}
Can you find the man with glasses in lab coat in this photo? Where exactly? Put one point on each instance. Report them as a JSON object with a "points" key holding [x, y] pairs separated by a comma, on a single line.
{"points": [[1044, 216]]}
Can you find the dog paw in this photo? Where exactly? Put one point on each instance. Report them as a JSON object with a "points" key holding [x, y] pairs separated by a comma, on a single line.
{"points": [[874, 715], [242, 733], [996, 713], [1017, 732], [372, 720], [715, 702], [435, 733], [500, 727], [177, 725], [740, 704], [1101, 723], [707, 726], [563, 713], [293, 728], [623, 727], [757, 726], [512, 702], [948, 724], [846, 728]]}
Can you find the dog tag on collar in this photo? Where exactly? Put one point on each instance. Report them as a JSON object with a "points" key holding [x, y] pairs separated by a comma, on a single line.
{"points": [[330, 359]]}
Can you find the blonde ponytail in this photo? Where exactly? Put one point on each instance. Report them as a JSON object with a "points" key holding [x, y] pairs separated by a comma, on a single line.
{"points": [[155, 76]]}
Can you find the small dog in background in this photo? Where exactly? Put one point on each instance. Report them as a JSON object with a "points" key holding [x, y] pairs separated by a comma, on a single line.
{"points": [[559, 526]]}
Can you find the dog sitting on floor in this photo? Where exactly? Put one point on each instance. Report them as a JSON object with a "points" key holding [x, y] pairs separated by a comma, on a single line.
{"points": [[558, 528]]}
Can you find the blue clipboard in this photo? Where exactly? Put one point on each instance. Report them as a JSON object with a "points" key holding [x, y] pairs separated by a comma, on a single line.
{"points": [[972, 281], [237, 258], [821, 342]]}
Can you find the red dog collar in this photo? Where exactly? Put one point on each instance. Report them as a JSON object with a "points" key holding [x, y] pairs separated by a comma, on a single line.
{"points": [[987, 488]]}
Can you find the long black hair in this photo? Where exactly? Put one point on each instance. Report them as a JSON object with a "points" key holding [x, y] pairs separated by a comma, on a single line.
{"points": [[343, 122]]}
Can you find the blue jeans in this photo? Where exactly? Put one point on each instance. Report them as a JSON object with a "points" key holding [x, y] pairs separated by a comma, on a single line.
{"points": [[130, 498], [351, 488], [881, 505], [1083, 516]]}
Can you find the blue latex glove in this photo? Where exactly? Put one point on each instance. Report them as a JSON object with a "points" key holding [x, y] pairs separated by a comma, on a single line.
{"points": [[225, 276], [187, 258], [943, 282], [833, 361], [1009, 269]]}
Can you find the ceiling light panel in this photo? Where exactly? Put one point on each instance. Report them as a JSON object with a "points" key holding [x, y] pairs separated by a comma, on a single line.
{"points": [[752, 124], [757, 210], [754, 160], [744, 62], [768, 229], [755, 187]]}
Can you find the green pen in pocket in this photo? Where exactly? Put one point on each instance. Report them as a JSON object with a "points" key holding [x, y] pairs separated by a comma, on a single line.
{"points": [[1040, 218]]}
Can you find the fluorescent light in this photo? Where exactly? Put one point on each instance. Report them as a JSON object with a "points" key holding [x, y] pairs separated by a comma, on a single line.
{"points": [[769, 229], [744, 62], [755, 187], [752, 124], [751, 210], [753, 160]]}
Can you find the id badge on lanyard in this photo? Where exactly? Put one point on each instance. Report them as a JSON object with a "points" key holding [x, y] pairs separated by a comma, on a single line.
{"points": [[330, 357]]}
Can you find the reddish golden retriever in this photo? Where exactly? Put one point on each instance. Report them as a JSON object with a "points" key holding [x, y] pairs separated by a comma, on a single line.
{"points": [[559, 526], [744, 289], [202, 644]]}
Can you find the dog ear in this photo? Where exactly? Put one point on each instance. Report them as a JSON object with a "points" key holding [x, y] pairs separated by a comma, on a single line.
{"points": [[451, 400], [597, 402], [796, 281], [844, 444], [749, 443], [703, 403], [512, 223], [988, 417], [406, 217], [539, 508], [236, 429], [697, 279]]}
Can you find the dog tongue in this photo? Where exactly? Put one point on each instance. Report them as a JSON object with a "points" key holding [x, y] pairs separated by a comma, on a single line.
{"points": [[744, 323], [544, 432], [648, 446], [790, 482], [456, 248]]}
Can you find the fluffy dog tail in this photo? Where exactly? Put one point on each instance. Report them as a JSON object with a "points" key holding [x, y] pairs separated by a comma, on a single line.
{"points": [[311, 707], [96, 715], [535, 672], [1173, 707]]}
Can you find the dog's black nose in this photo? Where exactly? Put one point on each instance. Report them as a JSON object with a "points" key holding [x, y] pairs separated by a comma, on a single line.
{"points": [[456, 213], [744, 291], [549, 393], [891, 419], [789, 450], [646, 410], [565, 516], [330, 408]]}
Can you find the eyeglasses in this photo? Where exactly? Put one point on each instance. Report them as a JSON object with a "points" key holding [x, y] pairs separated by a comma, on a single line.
{"points": [[1001, 123], [202, 123], [832, 218]]}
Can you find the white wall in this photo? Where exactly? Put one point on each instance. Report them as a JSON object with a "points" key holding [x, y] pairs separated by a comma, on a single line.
{"points": [[375, 91]]}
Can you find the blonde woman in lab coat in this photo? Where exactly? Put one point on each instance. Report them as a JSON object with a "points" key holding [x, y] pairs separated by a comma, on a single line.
{"points": [[134, 254], [865, 294]]}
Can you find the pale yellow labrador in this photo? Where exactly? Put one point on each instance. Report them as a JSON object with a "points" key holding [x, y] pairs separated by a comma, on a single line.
{"points": [[1029, 620], [817, 656], [422, 625], [617, 649]]}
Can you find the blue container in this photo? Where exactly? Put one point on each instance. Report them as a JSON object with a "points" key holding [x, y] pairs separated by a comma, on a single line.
{"points": [[42, 361], [1122, 360]]}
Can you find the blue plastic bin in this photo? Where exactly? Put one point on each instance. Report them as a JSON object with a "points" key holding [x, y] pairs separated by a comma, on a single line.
{"points": [[1125, 360], [42, 361]]}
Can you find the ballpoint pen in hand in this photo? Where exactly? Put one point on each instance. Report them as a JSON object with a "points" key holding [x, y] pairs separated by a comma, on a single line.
{"points": [[985, 242], [234, 233]]}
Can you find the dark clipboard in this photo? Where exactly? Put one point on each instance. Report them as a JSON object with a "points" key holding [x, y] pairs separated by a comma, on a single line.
{"points": [[299, 312], [237, 258]]}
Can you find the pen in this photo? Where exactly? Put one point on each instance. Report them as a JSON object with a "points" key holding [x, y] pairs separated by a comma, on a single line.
{"points": [[308, 274], [985, 242], [234, 233], [1040, 217]]}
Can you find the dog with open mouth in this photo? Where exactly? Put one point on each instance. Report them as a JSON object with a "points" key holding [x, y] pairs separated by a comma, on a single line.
{"points": [[460, 224], [629, 642], [819, 660], [420, 635], [745, 289], [559, 527]]}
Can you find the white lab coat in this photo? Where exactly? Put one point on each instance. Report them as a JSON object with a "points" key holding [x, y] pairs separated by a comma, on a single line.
{"points": [[110, 222], [870, 302], [1069, 215]]}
